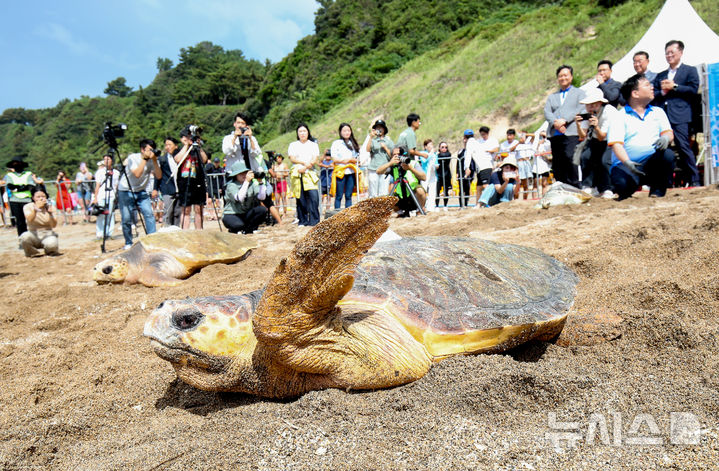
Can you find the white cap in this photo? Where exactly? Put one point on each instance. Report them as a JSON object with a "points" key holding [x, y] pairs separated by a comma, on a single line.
{"points": [[593, 95]]}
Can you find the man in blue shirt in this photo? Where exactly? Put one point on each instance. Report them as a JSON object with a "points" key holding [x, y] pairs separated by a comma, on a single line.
{"points": [[639, 138]]}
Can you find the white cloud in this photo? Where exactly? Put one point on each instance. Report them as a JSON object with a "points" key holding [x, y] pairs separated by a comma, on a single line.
{"points": [[62, 35]]}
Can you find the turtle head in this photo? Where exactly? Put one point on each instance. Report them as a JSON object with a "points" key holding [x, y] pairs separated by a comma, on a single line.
{"points": [[112, 270], [207, 340]]}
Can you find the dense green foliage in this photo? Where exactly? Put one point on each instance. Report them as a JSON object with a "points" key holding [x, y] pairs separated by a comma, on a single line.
{"points": [[459, 61]]}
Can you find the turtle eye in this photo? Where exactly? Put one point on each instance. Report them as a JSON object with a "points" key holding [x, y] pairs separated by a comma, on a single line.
{"points": [[107, 270], [187, 320]]}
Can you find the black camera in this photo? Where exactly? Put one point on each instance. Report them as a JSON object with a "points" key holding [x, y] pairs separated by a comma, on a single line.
{"points": [[243, 130], [112, 132], [586, 116], [260, 175], [157, 152], [405, 159]]}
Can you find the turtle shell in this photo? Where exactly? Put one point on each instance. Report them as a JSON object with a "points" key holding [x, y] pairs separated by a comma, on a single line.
{"points": [[463, 295], [199, 248]]}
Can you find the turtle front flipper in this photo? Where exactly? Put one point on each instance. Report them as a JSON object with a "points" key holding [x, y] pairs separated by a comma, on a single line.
{"points": [[307, 284], [301, 330], [162, 270]]}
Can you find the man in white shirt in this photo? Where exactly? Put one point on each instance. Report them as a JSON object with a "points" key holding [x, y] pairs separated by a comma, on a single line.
{"points": [[131, 194], [241, 142]]}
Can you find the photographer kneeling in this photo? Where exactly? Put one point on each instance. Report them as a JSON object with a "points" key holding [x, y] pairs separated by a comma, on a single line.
{"points": [[243, 211], [502, 184], [402, 166]]}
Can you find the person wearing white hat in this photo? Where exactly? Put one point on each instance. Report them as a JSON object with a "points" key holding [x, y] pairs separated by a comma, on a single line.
{"points": [[243, 211], [592, 128], [503, 185]]}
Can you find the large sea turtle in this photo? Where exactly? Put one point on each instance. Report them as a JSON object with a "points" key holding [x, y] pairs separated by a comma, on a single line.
{"points": [[332, 316], [166, 258]]}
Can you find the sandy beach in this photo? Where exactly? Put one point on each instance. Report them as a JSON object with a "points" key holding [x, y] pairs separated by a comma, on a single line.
{"points": [[82, 389]]}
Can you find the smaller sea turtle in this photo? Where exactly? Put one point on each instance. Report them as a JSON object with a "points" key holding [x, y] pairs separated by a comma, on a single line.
{"points": [[166, 258], [561, 193]]}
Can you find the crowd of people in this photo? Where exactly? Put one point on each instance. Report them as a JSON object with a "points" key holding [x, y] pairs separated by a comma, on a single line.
{"points": [[608, 141]]}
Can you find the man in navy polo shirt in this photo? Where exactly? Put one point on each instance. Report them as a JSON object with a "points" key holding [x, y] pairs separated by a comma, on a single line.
{"points": [[639, 138]]}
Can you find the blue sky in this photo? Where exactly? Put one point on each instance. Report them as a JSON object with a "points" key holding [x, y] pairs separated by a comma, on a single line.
{"points": [[65, 49]]}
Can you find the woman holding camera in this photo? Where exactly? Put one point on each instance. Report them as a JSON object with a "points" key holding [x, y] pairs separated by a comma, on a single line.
{"points": [[40, 217], [191, 188], [345, 152], [380, 149], [304, 154], [503, 184]]}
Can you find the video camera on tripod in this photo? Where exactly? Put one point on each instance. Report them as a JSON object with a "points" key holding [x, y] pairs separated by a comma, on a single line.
{"points": [[112, 132]]}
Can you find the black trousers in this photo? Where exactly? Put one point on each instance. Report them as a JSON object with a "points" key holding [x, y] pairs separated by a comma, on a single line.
{"points": [[658, 168], [246, 223], [687, 160], [444, 184], [16, 211], [562, 155], [595, 168]]}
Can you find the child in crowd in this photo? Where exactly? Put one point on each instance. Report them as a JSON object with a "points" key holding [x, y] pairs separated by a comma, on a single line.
{"points": [[281, 173], [326, 170]]}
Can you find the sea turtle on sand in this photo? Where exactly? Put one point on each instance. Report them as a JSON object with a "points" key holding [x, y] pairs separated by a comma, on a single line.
{"points": [[332, 316], [561, 193], [166, 258]]}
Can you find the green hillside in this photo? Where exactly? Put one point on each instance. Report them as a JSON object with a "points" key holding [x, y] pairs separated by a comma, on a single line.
{"points": [[498, 74]]}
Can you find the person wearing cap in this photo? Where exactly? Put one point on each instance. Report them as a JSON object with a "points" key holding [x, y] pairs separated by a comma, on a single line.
{"points": [[243, 211], [640, 138], [596, 155], [380, 148], [20, 182], [410, 172], [131, 189], [503, 184]]}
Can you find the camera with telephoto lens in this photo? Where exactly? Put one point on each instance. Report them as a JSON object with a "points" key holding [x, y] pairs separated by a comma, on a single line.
{"points": [[195, 132]]}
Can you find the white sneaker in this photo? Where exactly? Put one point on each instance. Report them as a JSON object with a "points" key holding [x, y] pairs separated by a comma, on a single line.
{"points": [[587, 190], [607, 195], [445, 209], [295, 221], [126, 247]]}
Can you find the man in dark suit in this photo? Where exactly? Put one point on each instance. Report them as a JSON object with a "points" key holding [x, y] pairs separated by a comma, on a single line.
{"points": [[559, 111], [674, 91], [608, 86]]}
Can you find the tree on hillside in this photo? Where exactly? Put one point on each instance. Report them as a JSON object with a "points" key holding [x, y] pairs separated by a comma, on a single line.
{"points": [[163, 64], [118, 87]]}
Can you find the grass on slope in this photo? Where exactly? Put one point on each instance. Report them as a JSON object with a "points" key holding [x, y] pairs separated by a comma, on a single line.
{"points": [[499, 76]]}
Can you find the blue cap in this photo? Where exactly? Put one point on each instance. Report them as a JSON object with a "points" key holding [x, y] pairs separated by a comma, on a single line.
{"points": [[468, 133]]}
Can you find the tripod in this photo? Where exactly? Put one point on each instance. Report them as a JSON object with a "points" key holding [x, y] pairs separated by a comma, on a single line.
{"points": [[405, 188], [108, 190]]}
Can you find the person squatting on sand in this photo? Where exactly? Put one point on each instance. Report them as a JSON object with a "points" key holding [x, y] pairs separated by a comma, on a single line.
{"points": [[639, 139], [594, 154], [243, 211], [41, 221], [504, 184], [403, 166]]}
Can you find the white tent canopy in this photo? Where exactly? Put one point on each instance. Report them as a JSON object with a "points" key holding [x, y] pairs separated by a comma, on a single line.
{"points": [[676, 20]]}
